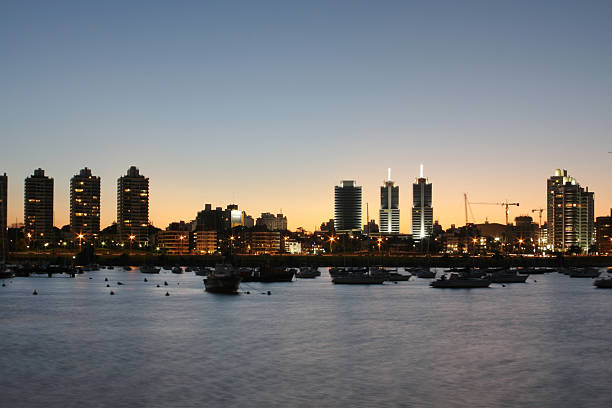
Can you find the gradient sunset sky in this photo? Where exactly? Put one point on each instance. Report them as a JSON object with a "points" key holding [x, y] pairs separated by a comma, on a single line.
{"points": [[269, 104]]}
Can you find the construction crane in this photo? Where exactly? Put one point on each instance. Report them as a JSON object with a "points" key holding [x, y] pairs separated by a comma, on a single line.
{"points": [[505, 204], [539, 210]]}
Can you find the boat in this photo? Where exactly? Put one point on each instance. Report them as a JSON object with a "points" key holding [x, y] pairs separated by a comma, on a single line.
{"points": [[605, 283], [267, 274], [307, 272], [177, 270], [584, 272], [6, 273], [149, 269], [202, 271], [458, 281], [127, 268], [507, 276], [359, 278], [110, 267], [188, 269], [425, 273], [223, 279], [397, 277]]}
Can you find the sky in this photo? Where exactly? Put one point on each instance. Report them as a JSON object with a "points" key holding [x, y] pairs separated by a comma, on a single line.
{"points": [[269, 104]]}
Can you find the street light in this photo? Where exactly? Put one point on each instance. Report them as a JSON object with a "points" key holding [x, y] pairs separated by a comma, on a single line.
{"points": [[132, 237], [80, 237], [331, 242]]}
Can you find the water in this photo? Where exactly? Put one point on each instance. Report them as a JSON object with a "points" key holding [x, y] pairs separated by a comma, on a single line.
{"points": [[311, 343]]}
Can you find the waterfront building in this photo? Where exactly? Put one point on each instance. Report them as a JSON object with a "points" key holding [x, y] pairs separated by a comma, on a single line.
{"points": [[347, 207], [603, 228], [570, 213], [38, 207], [272, 222], [205, 242], [422, 210], [174, 242], [85, 205], [389, 216], [262, 242], [133, 207], [222, 220], [3, 218]]}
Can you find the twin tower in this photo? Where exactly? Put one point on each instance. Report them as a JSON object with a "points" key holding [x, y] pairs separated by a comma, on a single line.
{"points": [[347, 207]]}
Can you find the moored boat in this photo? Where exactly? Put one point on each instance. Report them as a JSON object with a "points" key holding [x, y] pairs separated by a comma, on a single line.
{"points": [[224, 279], [149, 269], [507, 276], [177, 270], [457, 281], [605, 283], [307, 272], [425, 273], [584, 272]]}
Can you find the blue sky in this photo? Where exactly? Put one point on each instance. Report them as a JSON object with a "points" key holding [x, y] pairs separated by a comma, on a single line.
{"points": [[269, 104]]}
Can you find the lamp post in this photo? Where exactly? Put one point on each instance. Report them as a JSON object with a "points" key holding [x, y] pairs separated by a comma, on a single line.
{"points": [[331, 243], [132, 237], [181, 238], [231, 244], [80, 237]]}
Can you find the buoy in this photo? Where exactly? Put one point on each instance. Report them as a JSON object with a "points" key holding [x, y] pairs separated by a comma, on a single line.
{"points": [[167, 294], [112, 293], [108, 286], [269, 293], [503, 285], [146, 280], [105, 279], [165, 283], [90, 277], [119, 283], [395, 283], [158, 286], [248, 293], [35, 292], [535, 280], [4, 284]]}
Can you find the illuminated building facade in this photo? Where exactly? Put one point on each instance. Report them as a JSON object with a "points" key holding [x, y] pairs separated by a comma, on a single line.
{"points": [[85, 205], [133, 207], [570, 213], [347, 207], [38, 207], [205, 242], [174, 242], [389, 215], [422, 210], [3, 218]]}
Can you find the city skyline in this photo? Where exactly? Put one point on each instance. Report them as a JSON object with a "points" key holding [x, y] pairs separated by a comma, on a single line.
{"points": [[220, 106]]}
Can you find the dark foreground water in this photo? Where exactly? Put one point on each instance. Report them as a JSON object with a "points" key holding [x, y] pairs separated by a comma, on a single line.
{"points": [[310, 344]]}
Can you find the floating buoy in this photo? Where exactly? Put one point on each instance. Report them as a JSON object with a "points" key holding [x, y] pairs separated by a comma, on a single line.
{"points": [[535, 280], [269, 293], [105, 279], [395, 283], [503, 286], [108, 286], [167, 294], [90, 277], [112, 293], [248, 293], [4, 284], [165, 283], [146, 280], [119, 283], [158, 286], [35, 292]]}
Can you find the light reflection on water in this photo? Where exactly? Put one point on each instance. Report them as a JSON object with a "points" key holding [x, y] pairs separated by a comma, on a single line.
{"points": [[311, 343]]}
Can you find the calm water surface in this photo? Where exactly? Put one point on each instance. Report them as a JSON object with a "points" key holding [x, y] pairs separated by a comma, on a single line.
{"points": [[311, 343]]}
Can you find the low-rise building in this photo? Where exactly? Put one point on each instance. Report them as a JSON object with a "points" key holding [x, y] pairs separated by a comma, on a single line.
{"points": [[174, 242], [603, 228], [205, 242]]}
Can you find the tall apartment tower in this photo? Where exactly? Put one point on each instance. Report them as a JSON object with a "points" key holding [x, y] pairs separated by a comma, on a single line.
{"points": [[570, 213], [38, 207], [389, 216], [85, 205], [3, 220], [347, 207], [133, 207], [422, 211]]}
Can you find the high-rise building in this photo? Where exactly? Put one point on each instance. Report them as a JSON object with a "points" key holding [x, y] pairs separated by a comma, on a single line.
{"points": [[570, 213], [389, 216], [85, 205], [422, 210], [3, 219], [38, 207], [347, 207], [133, 207], [603, 228]]}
